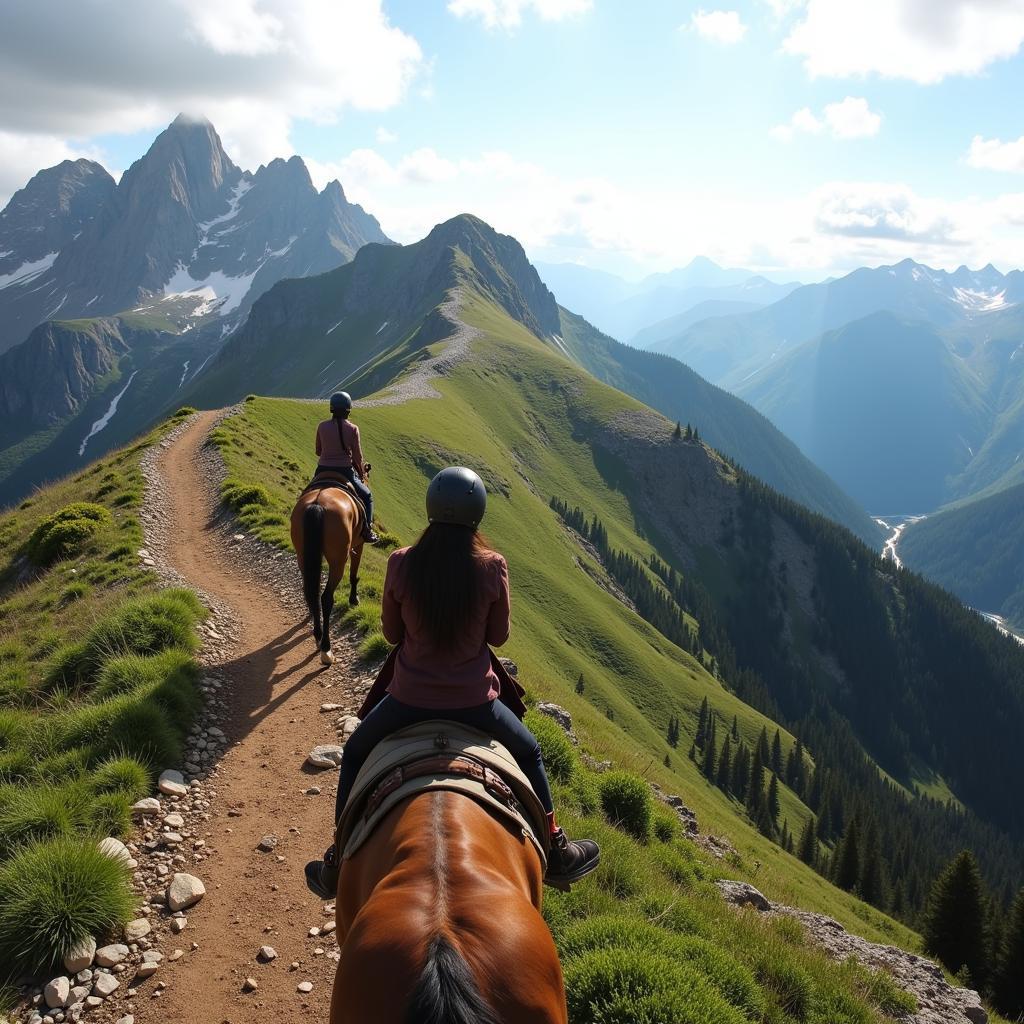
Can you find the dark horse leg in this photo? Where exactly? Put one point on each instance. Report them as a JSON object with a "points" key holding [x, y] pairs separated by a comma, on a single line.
{"points": [[311, 560], [327, 606], [353, 573]]}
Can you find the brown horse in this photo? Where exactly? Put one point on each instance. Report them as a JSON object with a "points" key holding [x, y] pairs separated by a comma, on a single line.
{"points": [[326, 524], [438, 921]]}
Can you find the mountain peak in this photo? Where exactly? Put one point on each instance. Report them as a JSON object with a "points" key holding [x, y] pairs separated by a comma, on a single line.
{"points": [[184, 120]]}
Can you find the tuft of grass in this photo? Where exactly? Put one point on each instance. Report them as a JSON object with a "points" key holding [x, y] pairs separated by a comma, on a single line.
{"points": [[627, 802], [122, 774], [56, 893], [666, 825], [64, 533], [35, 813], [238, 496], [374, 646]]}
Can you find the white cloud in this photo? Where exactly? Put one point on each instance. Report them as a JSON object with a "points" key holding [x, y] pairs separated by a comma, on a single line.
{"points": [[251, 66], [996, 155], [721, 26], [921, 40], [880, 210], [509, 13], [850, 118], [385, 137]]}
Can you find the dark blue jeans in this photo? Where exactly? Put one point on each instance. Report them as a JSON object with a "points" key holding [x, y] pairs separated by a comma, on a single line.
{"points": [[492, 718], [357, 482]]}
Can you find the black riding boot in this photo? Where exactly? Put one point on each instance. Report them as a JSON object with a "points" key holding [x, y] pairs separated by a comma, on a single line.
{"points": [[322, 875], [569, 860]]}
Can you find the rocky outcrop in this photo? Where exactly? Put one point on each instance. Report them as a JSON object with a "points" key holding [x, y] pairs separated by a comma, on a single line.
{"points": [[938, 1002]]}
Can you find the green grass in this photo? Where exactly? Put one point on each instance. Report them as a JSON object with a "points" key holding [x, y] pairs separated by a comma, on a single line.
{"points": [[97, 692]]}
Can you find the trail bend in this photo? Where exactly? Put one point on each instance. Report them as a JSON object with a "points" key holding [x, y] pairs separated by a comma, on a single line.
{"points": [[274, 686]]}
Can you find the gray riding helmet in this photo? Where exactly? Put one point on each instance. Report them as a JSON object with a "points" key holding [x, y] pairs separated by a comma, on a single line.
{"points": [[458, 496], [341, 402]]}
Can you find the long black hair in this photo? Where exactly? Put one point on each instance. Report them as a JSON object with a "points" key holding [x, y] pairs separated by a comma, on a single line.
{"points": [[444, 579]]}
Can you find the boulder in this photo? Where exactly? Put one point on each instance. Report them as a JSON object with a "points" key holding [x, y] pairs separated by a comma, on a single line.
{"points": [[184, 891], [112, 955], [743, 894], [562, 717], [326, 755], [80, 955], [56, 993], [510, 667], [172, 783]]}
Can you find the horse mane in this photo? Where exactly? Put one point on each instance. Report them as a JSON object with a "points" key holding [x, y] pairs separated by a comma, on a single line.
{"points": [[447, 992]]}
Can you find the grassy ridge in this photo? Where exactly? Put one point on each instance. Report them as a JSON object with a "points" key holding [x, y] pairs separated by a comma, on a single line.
{"points": [[97, 692], [522, 417]]}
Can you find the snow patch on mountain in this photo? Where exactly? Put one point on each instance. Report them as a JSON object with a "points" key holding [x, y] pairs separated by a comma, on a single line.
{"points": [[217, 288], [981, 301], [28, 271], [233, 204]]}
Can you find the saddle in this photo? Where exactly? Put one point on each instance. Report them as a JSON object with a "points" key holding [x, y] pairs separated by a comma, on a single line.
{"points": [[442, 755], [326, 478]]}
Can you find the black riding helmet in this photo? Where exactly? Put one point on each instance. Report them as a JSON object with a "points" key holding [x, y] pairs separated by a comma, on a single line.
{"points": [[341, 403], [458, 496]]}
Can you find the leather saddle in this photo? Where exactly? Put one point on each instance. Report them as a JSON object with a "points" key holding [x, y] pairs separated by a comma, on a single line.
{"points": [[325, 479], [442, 755]]}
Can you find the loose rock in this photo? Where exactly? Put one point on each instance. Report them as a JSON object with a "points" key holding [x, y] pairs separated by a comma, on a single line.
{"points": [[266, 954], [80, 956], [137, 929], [110, 956], [57, 991], [267, 843], [105, 985], [172, 783], [326, 755], [184, 891], [304, 987], [250, 985], [146, 806]]}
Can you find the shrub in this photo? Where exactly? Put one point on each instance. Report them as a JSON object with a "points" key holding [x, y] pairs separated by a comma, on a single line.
{"points": [[237, 495], [54, 894], [374, 646], [184, 411], [634, 986], [626, 801], [130, 672], [64, 533], [559, 755]]}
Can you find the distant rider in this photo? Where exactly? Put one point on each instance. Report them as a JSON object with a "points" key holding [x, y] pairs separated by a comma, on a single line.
{"points": [[446, 599], [337, 445]]}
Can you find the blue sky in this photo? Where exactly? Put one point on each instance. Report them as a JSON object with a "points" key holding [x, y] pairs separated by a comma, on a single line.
{"points": [[800, 136]]}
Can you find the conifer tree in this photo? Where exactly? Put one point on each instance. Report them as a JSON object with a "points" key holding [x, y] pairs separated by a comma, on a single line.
{"points": [[702, 722], [710, 754], [740, 772], [755, 788], [735, 730], [846, 872], [723, 774], [692, 755], [677, 433], [807, 849], [762, 746], [764, 822], [773, 798], [580, 684], [954, 921], [870, 884], [689, 432], [668, 761], [777, 753], [1009, 981]]}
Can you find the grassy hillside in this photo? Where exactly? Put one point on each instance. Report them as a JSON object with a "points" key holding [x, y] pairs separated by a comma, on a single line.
{"points": [[97, 692], [725, 422], [977, 551], [564, 624]]}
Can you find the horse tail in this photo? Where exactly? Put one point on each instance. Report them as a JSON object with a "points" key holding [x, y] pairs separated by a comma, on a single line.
{"points": [[447, 993], [312, 559]]}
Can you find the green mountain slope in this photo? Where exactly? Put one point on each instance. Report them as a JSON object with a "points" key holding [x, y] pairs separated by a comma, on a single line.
{"points": [[977, 551], [728, 424], [795, 616]]}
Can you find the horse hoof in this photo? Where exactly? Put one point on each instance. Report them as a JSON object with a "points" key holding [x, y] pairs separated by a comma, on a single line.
{"points": [[353, 600], [326, 658]]}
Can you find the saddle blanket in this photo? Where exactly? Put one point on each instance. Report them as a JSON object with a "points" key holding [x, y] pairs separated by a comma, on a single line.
{"points": [[438, 754]]}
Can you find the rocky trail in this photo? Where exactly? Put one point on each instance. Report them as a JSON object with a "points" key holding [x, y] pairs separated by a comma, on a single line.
{"points": [[259, 945]]}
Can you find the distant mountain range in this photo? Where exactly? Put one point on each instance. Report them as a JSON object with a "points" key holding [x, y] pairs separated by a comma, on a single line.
{"points": [[182, 220], [148, 277], [623, 309]]}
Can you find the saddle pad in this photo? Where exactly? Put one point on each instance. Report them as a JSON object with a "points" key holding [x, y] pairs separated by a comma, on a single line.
{"points": [[323, 481], [381, 785]]}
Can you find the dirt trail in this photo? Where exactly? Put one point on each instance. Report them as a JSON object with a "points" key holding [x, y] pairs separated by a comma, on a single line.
{"points": [[274, 687]]}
